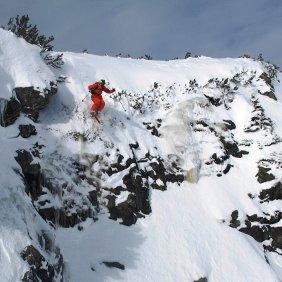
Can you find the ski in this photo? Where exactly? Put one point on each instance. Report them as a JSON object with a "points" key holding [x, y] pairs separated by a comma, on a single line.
{"points": [[97, 119]]}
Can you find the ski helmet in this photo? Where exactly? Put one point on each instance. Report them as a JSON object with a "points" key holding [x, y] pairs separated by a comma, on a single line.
{"points": [[102, 81]]}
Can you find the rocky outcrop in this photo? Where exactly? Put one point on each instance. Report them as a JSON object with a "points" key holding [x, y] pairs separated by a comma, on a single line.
{"points": [[28, 100], [39, 268], [32, 100], [153, 128], [114, 264], [142, 174], [31, 173], [26, 130], [9, 111], [263, 174], [269, 94], [264, 228], [234, 222], [62, 217], [39, 186], [271, 194]]}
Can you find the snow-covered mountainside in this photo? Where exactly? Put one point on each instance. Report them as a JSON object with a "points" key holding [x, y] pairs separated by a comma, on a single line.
{"points": [[180, 182]]}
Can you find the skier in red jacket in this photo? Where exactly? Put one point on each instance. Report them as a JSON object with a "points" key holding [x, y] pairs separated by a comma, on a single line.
{"points": [[96, 91]]}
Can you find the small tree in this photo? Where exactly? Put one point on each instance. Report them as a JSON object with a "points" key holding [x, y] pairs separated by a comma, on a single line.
{"points": [[260, 57], [148, 57], [21, 27], [187, 55]]}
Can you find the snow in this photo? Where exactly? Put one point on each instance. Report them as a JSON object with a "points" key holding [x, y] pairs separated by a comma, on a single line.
{"points": [[21, 65], [186, 236], [178, 242]]}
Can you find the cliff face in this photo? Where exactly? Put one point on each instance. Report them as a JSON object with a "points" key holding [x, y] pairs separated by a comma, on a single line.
{"points": [[180, 181]]}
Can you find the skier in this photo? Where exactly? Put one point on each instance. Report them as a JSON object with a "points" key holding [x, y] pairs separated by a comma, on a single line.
{"points": [[96, 91]]}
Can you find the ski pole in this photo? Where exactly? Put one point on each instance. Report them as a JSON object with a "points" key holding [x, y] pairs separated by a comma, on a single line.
{"points": [[85, 97]]}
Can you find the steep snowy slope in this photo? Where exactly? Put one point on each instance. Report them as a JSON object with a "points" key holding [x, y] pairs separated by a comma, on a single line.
{"points": [[181, 181]]}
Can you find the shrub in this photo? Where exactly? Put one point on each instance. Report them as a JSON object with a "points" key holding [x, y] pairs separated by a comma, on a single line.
{"points": [[187, 55], [21, 27]]}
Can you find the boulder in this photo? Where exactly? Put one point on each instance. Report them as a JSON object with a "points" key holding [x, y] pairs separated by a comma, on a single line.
{"points": [[40, 270], [9, 111], [31, 173], [32, 100], [234, 222], [271, 194], [26, 130], [270, 94], [114, 264], [263, 175]]}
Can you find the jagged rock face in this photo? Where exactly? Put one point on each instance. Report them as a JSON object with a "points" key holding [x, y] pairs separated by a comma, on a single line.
{"points": [[31, 172], [269, 94], [29, 101], [271, 194], [9, 111], [263, 175], [142, 174], [264, 228], [26, 130], [59, 217], [39, 268], [39, 186], [263, 125], [32, 100]]}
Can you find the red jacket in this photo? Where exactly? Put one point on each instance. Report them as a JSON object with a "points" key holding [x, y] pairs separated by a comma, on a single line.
{"points": [[97, 89]]}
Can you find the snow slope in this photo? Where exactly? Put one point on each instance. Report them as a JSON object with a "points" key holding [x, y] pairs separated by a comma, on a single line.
{"points": [[180, 113]]}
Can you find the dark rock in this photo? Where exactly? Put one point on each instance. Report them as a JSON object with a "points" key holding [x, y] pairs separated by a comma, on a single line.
{"points": [[276, 235], [152, 128], [263, 175], [26, 130], [227, 169], [30, 276], [264, 76], [40, 270], [271, 194], [118, 166], [259, 233], [59, 217], [9, 111], [229, 124], [114, 264], [136, 181], [32, 100], [234, 222], [214, 101], [266, 220], [135, 206], [202, 279], [32, 256], [232, 148], [93, 198], [219, 160], [270, 94], [46, 242], [31, 173]]}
